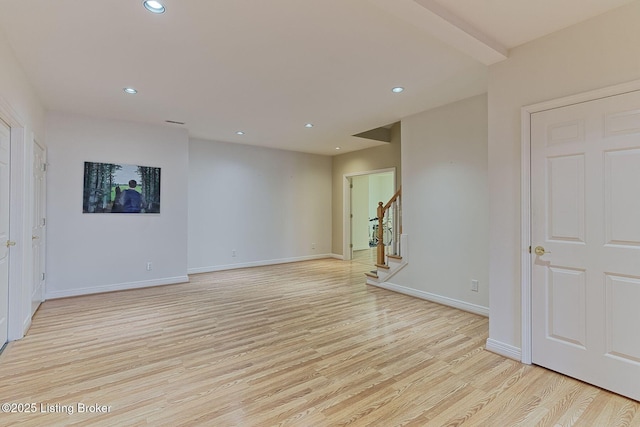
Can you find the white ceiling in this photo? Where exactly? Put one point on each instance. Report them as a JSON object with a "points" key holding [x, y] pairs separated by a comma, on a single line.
{"points": [[269, 67]]}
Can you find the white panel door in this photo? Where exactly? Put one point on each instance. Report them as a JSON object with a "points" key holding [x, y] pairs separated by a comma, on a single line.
{"points": [[38, 227], [585, 198], [4, 230]]}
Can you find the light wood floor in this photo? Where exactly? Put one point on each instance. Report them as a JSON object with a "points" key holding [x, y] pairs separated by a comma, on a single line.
{"points": [[304, 344]]}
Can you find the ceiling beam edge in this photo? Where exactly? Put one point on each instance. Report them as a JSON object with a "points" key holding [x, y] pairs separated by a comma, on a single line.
{"points": [[431, 17]]}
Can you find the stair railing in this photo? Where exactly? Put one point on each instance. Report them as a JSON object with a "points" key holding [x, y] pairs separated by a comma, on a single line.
{"points": [[389, 227]]}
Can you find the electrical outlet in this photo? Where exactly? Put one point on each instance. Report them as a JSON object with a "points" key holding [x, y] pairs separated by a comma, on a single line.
{"points": [[474, 285], [313, 246], [149, 266], [233, 252]]}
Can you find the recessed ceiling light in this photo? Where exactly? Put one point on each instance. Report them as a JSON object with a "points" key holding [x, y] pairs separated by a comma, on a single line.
{"points": [[130, 90], [154, 6], [309, 125], [239, 133], [397, 89], [337, 148]]}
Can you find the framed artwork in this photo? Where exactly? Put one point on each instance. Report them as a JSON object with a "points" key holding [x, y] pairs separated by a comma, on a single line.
{"points": [[120, 188]]}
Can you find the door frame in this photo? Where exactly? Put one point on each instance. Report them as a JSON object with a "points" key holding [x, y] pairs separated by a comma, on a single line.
{"points": [[346, 204], [525, 194], [42, 195], [18, 320]]}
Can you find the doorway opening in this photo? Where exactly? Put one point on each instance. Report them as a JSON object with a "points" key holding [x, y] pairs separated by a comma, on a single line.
{"points": [[362, 193]]}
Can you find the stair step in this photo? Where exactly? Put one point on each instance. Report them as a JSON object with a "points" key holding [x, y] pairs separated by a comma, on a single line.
{"points": [[386, 267], [398, 257], [372, 275]]}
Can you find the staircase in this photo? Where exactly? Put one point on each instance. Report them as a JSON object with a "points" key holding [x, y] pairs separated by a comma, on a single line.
{"points": [[389, 254], [383, 274]]}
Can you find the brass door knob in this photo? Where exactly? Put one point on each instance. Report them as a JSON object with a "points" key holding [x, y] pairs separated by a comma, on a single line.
{"points": [[539, 250]]}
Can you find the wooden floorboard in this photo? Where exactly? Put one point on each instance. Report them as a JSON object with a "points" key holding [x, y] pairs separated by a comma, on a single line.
{"points": [[301, 344]]}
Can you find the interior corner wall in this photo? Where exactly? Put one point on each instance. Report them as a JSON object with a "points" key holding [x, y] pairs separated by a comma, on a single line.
{"points": [[382, 157], [445, 204], [98, 252], [594, 54], [253, 206]]}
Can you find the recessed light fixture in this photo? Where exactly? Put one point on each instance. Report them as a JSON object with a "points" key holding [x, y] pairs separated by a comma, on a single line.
{"points": [[309, 125], [397, 89], [130, 90], [239, 133], [154, 6], [337, 148]]}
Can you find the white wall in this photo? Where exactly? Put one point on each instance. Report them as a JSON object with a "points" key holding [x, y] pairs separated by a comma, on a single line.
{"points": [[89, 253], [594, 54], [445, 204], [17, 93], [22, 110], [268, 205]]}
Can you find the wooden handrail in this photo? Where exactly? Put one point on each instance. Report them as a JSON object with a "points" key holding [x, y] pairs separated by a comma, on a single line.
{"points": [[393, 199], [382, 209]]}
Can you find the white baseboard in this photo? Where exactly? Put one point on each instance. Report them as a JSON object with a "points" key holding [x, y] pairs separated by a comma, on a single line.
{"points": [[212, 268], [115, 287], [461, 305], [503, 349]]}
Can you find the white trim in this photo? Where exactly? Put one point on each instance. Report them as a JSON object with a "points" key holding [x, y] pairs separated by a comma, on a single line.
{"points": [[337, 256], [212, 268], [17, 320], [117, 287], [9, 115], [503, 349], [25, 326], [346, 205], [525, 201], [461, 305], [525, 230], [43, 237]]}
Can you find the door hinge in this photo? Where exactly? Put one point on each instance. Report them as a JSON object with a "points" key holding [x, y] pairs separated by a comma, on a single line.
{"points": [[44, 221], [529, 249], [350, 215], [42, 277], [350, 185], [44, 167], [351, 245]]}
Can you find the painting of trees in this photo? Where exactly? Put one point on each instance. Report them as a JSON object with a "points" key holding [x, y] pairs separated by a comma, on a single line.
{"points": [[98, 180], [150, 183], [109, 186]]}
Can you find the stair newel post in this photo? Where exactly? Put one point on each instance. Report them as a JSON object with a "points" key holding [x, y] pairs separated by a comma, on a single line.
{"points": [[380, 248]]}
